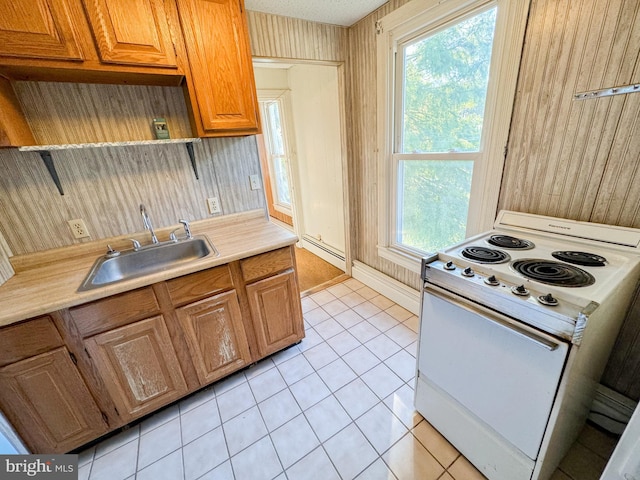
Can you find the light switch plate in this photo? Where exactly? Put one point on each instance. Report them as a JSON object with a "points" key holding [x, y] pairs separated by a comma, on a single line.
{"points": [[254, 181]]}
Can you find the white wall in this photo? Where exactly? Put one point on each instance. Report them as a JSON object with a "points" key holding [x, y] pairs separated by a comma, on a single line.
{"points": [[316, 119]]}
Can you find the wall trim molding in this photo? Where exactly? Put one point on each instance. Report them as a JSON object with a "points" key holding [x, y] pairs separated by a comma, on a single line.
{"points": [[391, 288]]}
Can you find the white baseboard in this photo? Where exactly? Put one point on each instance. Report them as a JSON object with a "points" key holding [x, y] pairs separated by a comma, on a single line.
{"points": [[394, 290], [611, 410]]}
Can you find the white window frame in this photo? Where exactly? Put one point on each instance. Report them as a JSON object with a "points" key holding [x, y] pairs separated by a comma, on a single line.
{"points": [[283, 98], [400, 25]]}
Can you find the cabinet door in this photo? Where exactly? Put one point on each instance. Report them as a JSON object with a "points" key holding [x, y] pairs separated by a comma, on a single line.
{"points": [[217, 42], [138, 365], [47, 401], [215, 336], [38, 29], [131, 32], [276, 312]]}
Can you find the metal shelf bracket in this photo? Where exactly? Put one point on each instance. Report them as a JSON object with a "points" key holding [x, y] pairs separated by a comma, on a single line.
{"points": [[48, 161], [192, 157]]}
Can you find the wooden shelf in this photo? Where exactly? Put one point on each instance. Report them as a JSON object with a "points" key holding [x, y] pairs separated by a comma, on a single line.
{"points": [[133, 143], [45, 152]]}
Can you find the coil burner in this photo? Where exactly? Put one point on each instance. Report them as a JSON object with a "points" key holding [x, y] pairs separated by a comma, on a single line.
{"points": [[553, 273], [580, 258], [507, 241], [484, 255]]}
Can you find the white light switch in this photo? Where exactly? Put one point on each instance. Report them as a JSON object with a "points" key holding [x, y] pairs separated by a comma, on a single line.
{"points": [[254, 181]]}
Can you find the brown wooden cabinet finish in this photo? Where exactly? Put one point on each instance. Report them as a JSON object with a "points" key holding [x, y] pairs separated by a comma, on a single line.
{"points": [[139, 366], [115, 311], [39, 29], [276, 312], [199, 285], [28, 339], [267, 264], [131, 32], [138, 351], [220, 86], [215, 336], [47, 401]]}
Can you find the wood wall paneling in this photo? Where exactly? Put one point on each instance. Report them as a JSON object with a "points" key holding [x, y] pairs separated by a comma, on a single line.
{"points": [[571, 158], [274, 36], [362, 121], [105, 186]]}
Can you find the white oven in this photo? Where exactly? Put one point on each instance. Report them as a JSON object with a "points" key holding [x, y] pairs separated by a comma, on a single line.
{"points": [[514, 337]]}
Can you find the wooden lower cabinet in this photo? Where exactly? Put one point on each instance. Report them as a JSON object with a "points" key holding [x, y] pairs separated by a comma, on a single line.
{"points": [[215, 336], [47, 401], [139, 366], [276, 312], [138, 351]]}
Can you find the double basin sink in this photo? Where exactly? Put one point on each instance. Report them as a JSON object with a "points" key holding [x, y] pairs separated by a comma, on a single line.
{"points": [[118, 266]]}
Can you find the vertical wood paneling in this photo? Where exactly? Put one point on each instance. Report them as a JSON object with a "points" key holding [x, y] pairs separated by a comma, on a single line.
{"points": [[6, 270], [105, 186], [568, 158], [273, 36], [362, 121]]}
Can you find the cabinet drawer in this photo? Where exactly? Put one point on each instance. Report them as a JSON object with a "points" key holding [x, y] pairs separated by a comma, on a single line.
{"points": [[266, 264], [28, 339], [112, 312], [199, 285]]}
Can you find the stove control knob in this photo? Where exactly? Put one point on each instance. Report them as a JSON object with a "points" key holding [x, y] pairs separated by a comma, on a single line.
{"points": [[548, 299], [492, 280], [449, 266], [468, 272], [520, 290]]}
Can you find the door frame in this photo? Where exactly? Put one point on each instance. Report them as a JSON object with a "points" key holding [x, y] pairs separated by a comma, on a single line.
{"points": [[335, 258]]}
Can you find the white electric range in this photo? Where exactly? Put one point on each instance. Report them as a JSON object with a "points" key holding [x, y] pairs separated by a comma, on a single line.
{"points": [[516, 326]]}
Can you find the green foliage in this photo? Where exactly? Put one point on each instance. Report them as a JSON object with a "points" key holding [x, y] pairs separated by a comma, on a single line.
{"points": [[435, 202], [445, 85]]}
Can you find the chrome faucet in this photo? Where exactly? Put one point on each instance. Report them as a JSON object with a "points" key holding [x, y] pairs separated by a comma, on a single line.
{"points": [[147, 223]]}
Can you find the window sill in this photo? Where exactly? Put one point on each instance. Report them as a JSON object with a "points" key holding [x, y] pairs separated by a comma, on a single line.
{"points": [[410, 261]]}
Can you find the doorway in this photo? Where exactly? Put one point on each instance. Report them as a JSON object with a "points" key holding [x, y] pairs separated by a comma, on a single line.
{"points": [[302, 154]]}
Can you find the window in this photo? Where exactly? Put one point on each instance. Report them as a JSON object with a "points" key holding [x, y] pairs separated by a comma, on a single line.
{"points": [[278, 156], [443, 128]]}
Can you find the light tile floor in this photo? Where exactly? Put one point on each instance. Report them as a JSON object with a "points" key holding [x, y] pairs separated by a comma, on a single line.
{"points": [[336, 406]]}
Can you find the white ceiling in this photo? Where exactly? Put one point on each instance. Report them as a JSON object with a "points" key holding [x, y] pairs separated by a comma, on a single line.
{"points": [[335, 12]]}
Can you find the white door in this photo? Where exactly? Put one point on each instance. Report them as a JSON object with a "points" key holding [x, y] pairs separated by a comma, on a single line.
{"points": [[624, 464]]}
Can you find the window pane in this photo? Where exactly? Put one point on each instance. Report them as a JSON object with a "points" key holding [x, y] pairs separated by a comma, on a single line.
{"points": [[275, 129], [445, 85], [433, 202], [282, 181]]}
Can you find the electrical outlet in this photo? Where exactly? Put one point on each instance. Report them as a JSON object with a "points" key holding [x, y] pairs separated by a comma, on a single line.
{"points": [[214, 205], [78, 228], [254, 181]]}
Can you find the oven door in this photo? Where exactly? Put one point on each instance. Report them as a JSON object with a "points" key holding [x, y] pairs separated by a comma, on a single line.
{"points": [[502, 371]]}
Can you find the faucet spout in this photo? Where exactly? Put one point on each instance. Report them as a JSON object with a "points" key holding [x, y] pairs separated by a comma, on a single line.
{"points": [[146, 221]]}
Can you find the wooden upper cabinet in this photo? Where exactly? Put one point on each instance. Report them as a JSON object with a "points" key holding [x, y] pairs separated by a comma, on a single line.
{"points": [[38, 29], [134, 32], [221, 87]]}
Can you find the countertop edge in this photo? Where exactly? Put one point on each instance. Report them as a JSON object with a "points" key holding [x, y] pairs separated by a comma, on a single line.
{"points": [[53, 285]]}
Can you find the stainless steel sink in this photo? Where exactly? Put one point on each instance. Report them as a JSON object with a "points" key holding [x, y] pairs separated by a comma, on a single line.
{"points": [[146, 260]]}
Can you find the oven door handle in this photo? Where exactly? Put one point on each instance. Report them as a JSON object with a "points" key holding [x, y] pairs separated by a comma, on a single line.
{"points": [[500, 320]]}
